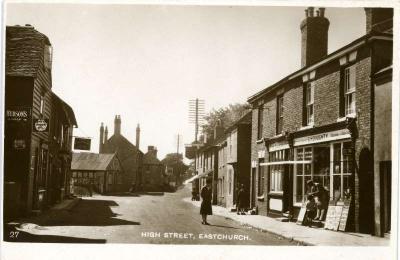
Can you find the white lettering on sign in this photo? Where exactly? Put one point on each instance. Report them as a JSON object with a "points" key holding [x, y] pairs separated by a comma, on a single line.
{"points": [[278, 146], [324, 137], [261, 154], [40, 125]]}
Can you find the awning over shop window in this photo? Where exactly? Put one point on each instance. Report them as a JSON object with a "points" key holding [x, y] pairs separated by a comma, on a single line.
{"points": [[198, 176], [284, 162]]}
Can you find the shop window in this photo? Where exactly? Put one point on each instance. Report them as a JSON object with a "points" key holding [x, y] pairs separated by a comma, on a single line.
{"points": [[260, 178], [303, 172], [342, 167], [309, 103], [279, 114], [330, 165], [276, 171], [260, 122]]}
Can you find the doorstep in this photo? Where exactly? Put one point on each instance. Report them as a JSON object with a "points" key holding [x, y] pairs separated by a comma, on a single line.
{"points": [[305, 235]]}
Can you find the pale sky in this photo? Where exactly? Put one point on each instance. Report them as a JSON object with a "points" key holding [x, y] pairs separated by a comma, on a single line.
{"points": [[145, 62]]}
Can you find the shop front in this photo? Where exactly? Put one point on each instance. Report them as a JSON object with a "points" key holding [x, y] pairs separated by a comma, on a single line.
{"points": [[324, 158]]}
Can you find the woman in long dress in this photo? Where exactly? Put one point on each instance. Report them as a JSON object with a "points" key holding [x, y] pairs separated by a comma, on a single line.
{"points": [[206, 208]]}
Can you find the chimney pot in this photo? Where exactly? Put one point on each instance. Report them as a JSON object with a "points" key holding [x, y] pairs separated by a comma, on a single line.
{"points": [[322, 12], [311, 11]]}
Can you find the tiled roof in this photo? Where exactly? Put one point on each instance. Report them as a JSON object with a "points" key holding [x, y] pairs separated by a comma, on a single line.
{"points": [[91, 161], [24, 50], [116, 142]]}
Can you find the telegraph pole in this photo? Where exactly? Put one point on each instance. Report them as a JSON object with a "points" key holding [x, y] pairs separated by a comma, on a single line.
{"points": [[196, 114]]}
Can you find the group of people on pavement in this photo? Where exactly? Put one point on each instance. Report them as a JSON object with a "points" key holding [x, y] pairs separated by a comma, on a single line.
{"points": [[316, 204], [206, 195]]}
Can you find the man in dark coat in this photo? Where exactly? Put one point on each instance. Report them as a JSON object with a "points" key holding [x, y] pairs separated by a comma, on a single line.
{"points": [[241, 200], [206, 195]]}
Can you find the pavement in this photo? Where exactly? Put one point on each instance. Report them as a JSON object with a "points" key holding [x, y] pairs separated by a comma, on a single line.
{"points": [[142, 218], [302, 234]]}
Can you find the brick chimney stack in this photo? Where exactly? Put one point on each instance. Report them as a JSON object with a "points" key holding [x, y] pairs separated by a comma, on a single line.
{"points": [[378, 19], [152, 150], [117, 125], [314, 36], [105, 135], [138, 136], [101, 141]]}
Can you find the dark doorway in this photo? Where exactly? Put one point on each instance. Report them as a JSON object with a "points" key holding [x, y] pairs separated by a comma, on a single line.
{"points": [[253, 187], [385, 169], [366, 179]]}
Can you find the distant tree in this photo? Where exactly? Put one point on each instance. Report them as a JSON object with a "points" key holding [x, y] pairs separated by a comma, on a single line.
{"points": [[226, 115]]}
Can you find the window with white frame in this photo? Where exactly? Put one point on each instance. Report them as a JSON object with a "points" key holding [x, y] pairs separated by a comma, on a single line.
{"points": [[350, 90], [276, 171], [303, 172], [310, 103], [327, 164], [342, 168]]}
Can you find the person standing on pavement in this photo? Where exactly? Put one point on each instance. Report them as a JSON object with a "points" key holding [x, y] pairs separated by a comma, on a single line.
{"points": [[206, 195], [241, 200]]}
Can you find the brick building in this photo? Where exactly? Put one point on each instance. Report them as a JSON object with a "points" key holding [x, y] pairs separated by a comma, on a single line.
{"points": [[153, 171], [38, 126], [129, 155], [318, 124]]}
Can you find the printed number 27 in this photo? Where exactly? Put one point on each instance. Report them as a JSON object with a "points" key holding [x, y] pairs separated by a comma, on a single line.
{"points": [[14, 234]]}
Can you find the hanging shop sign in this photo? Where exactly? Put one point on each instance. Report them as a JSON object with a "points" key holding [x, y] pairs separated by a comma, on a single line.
{"points": [[324, 137], [41, 125], [18, 114], [82, 143]]}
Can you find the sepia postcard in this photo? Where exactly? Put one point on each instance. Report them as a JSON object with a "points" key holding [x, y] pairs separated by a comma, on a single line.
{"points": [[177, 130]]}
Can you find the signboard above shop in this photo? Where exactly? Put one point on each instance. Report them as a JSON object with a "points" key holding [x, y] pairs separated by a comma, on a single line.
{"points": [[82, 143], [323, 137], [18, 114], [41, 125]]}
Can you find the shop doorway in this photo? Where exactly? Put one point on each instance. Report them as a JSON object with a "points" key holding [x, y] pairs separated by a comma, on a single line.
{"points": [[366, 184]]}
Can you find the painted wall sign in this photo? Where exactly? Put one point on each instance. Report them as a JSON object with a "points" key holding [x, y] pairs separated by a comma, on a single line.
{"points": [[41, 125], [82, 143], [18, 114], [278, 146], [324, 137]]}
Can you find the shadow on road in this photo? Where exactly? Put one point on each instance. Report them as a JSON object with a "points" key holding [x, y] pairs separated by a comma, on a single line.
{"points": [[88, 212], [11, 234], [223, 226]]}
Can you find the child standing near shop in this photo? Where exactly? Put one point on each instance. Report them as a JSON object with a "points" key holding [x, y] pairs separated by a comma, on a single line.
{"points": [[311, 210]]}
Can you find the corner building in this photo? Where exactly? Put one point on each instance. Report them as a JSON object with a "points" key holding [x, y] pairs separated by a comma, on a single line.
{"points": [[319, 123]]}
